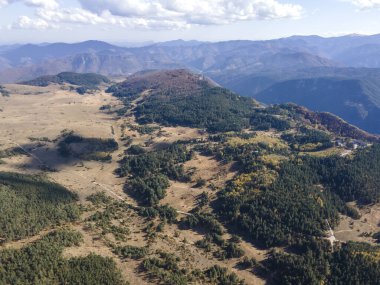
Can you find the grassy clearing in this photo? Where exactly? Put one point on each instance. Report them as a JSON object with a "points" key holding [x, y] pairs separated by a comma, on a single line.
{"points": [[267, 139], [324, 153]]}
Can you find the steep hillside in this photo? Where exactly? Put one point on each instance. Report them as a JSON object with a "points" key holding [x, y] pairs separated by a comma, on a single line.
{"points": [[4, 64], [356, 101], [333, 124], [253, 83], [362, 56]]}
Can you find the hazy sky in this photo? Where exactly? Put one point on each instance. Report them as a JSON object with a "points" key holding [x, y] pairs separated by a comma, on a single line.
{"points": [[161, 20]]}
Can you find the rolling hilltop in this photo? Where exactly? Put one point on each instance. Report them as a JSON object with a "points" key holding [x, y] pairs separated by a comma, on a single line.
{"points": [[82, 82], [86, 79], [182, 98], [177, 82]]}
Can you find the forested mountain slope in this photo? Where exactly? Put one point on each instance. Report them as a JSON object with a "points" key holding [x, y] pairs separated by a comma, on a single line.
{"points": [[288, 188], [84, 79], [356, 101]]}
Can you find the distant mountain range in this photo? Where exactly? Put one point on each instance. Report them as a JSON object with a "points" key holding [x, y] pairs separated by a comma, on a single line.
{"points": [[338, 74]]}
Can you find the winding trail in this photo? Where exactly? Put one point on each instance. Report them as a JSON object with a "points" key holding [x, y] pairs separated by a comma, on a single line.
{"points": [[331, 236], [21, 147], [343, 231]]}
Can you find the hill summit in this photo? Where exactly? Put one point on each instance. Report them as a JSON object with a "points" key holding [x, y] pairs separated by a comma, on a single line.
{"points": [[180, 97], [178, 82]]}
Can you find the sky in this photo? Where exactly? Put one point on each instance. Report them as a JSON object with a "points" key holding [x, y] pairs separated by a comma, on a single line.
{"points": [[123, 21]]}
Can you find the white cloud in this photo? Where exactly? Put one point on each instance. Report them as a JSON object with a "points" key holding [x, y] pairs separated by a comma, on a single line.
{"points": [[75, 15], [85, 17], [367, 4], [48, 4], [196, 11], [154, 14], [25, 22], [3, 3]]}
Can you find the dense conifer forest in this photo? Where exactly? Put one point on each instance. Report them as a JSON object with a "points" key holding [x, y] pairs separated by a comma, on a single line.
{"points": [[84, 82], [30, 204], [42, 263], [73, 145], [150, 172]]}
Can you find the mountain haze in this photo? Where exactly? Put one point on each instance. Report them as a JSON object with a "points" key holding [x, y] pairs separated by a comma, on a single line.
{"points": [[258, 69]]}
